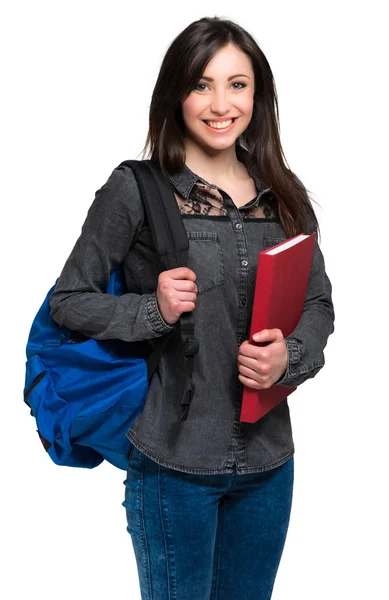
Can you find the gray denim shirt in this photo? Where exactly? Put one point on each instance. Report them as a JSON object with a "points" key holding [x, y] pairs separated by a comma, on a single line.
{"points": [[224, 242]]}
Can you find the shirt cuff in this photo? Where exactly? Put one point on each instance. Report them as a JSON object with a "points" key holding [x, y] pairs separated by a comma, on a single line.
{"points": [[157, 322], [293, 358]]}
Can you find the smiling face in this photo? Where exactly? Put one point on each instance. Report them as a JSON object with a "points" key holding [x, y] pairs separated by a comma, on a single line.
{"points": [[219, 108]]}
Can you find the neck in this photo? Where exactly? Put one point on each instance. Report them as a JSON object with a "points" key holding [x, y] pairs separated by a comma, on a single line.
{"points": [[213, 165]]}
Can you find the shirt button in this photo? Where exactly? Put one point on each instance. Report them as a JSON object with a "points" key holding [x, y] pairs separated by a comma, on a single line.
{"points": [[245, 263], [239, 226], [243, 301]]}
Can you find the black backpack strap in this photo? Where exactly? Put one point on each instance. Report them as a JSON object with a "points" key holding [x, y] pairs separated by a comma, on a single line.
{"points": [[167, 228], [172, 244], [191, 347]]}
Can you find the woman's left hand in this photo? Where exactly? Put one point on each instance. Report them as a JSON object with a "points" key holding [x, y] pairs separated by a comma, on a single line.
{"points": [[261, 366]]}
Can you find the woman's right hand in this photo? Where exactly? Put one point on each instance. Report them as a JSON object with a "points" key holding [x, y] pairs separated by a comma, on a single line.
{"points": [[176, 293]]}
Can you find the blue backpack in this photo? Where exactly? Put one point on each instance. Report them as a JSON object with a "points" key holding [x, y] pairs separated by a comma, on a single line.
{"points": [[83, 393]]}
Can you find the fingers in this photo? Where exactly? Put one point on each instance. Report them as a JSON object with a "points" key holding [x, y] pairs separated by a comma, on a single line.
{"points": [[187, 307], [260, 366], [248, 362], [172, 294], [176, 293], [182, 285], [253, 374], [268, 335], [251, 367], [166, 283], [179, 273], [251, 383], [186, 296], [253, 351]]}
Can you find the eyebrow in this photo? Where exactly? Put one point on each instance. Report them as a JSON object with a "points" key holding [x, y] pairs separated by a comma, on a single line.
{"points": [[229, 79]]}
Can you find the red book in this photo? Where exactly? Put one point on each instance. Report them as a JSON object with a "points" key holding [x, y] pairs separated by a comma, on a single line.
{"points": [[280, 290]]}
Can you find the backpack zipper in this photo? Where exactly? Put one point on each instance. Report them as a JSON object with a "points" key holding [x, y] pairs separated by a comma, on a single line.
{"points": [[33, 385]]}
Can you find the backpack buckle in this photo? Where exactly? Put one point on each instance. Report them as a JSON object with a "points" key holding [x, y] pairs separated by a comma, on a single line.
{"points": [[191, 346]]}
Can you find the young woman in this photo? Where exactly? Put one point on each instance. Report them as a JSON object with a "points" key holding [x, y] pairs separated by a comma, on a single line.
{"points": [[208, 498]]}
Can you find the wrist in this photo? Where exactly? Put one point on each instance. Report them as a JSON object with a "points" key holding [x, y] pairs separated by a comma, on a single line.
{"points": [[157, 321]]}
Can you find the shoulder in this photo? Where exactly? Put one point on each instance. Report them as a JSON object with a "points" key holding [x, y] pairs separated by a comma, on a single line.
{"points": [[122, 182], [120, 194]]}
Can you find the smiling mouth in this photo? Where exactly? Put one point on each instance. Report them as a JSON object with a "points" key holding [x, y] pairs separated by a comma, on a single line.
{"points": [[220, 125]]}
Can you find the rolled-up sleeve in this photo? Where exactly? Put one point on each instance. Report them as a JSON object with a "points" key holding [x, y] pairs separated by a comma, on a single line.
{"points": [[79, 300]]}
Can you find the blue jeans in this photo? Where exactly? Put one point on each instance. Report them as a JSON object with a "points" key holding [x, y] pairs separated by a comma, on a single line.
{"points": [[206, 537]]}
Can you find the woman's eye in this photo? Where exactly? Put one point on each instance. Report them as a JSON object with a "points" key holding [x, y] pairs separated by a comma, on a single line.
{"points": [[239, 83], [199, 85]]}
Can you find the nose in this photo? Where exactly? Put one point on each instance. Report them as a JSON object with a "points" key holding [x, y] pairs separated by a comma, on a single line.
{"points": [[220, 102]]}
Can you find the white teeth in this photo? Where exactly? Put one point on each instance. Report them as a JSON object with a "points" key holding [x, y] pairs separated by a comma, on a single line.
{"points": [[219, 125]]}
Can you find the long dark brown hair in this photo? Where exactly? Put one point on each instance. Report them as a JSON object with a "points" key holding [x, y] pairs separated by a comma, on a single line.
{"points": [[181, 70]]}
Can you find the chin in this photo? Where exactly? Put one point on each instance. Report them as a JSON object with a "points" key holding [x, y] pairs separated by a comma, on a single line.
{"points": [[217, 144], [220, 145]]}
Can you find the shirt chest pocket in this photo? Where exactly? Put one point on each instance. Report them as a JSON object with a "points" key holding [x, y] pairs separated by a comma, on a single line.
{"points": [[205, 258], [270, 241]]}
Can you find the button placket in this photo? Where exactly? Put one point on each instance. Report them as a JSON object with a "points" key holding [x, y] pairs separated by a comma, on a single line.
{"points": [[238, 226]]}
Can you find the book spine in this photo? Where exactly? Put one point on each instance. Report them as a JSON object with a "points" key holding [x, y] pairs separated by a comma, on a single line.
{"points": [[262, 296]]}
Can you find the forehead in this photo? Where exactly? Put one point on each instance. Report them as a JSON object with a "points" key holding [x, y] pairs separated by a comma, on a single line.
{"points": [[228, 61]]}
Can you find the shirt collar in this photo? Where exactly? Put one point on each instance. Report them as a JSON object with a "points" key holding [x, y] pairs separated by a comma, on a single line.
{"points": [[186, 179]]}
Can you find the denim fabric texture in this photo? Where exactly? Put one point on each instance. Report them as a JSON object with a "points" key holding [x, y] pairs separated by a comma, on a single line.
{"points": [[224, 247], [207, 537]]}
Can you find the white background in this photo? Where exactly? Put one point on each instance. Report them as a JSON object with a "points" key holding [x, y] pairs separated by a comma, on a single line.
{"points": [[77, 79]]}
